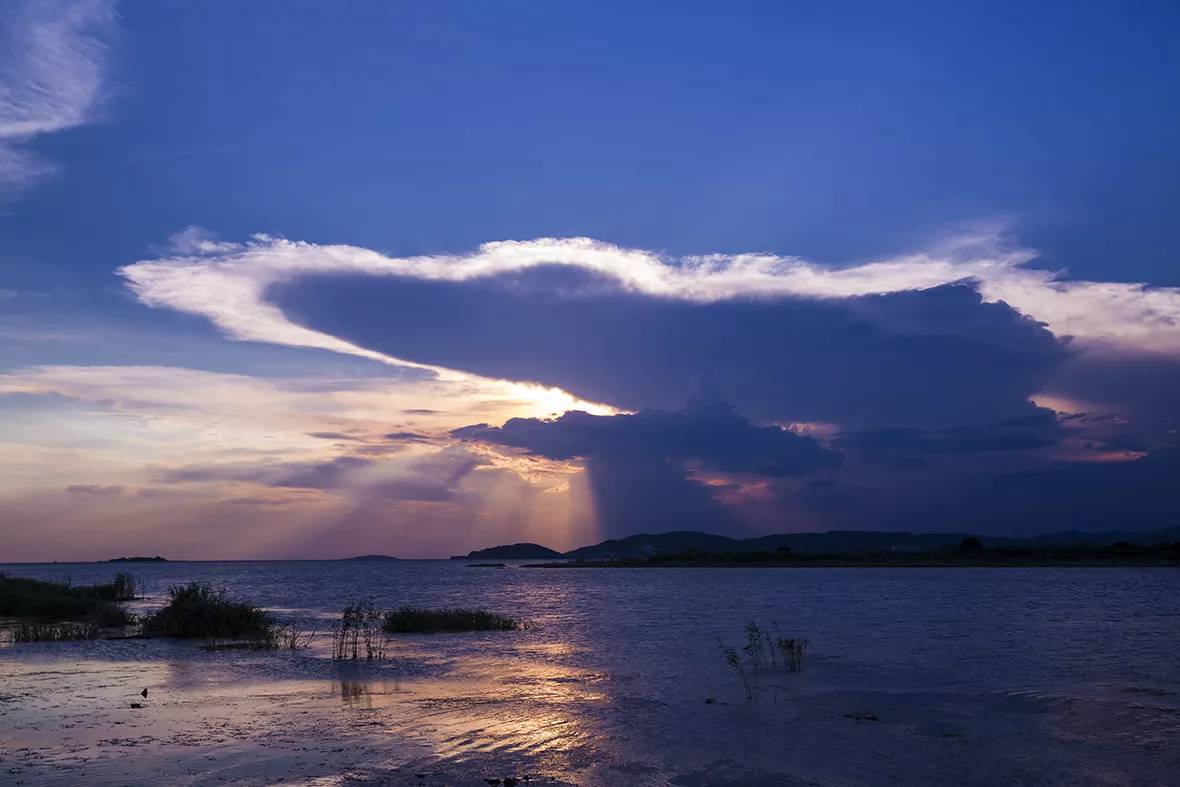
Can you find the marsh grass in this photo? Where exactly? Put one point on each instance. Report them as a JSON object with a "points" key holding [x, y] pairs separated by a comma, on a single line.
{"points": [[123, 587], [39, 600], [763, 651], [734, 660], [418, 620], [197, 611], [358, 632], [38, 631], [278, 637], [792, 650]]}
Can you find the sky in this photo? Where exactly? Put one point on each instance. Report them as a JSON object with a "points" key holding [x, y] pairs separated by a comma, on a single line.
{"points": [[292, 280]]}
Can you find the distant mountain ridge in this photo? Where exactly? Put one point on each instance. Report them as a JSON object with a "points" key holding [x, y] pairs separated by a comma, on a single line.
{"points": [[829, 542]]}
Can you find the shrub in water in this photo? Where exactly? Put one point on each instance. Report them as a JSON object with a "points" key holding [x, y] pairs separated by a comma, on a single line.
{"points": [[199, 611]]}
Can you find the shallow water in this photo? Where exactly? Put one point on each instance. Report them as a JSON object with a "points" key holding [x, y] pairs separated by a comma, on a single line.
{"points": [[973, 676]]}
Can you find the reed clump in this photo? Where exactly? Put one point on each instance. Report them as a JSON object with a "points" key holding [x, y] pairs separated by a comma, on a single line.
{"points": [[358, 633], [763, 651], [419, 620], [197, 611]]}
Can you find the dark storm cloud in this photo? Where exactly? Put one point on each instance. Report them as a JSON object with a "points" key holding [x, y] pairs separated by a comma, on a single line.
{"points": [[929, 391], [937, 357], [711, 433], [1037, 430], [1140, 390], [641, 466]]}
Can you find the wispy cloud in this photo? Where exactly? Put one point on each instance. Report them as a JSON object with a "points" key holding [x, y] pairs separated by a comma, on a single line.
{"points": [[228, 283], [52, 58]]}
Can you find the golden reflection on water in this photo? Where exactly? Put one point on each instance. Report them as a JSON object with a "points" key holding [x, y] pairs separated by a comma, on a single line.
{"points": [[522, 701]]}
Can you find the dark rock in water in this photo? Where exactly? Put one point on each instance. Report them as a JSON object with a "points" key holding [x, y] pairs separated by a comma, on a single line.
{"points": [[862, 716], [710, 701], [144, 693], [137, 704]]}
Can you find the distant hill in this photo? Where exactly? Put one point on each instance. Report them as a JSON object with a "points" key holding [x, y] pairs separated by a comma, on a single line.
{"points": [[830, 542], [371, 557], [522, 551]]}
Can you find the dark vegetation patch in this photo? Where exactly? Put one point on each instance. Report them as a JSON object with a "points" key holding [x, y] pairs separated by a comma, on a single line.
{"points": [[41, 601], [419, 620], [197, 611], [44, 631], [970, 551]]}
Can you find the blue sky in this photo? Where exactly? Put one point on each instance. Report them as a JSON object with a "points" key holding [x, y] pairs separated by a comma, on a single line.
{"points": [[966, 135]]}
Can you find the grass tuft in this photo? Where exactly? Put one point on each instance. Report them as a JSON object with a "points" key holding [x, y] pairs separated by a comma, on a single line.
{"points": [[763, 651], [196, 611], [418, 620], [39, 631]]}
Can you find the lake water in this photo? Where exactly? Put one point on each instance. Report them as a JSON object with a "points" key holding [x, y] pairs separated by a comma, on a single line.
{"points": [[928, 675]]}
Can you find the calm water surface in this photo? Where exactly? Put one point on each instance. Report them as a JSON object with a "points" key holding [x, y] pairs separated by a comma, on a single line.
{"points": [[620, 662]]}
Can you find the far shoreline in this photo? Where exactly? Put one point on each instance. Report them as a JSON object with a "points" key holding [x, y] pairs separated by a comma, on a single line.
{"points": [[861, 564]]}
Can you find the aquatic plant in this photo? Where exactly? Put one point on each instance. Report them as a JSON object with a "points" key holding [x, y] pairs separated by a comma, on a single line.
{"points": [[34, 631], [756, 645], [418, 620], [792, 650], [357, 631], [290, 638], [123, 588], [37, 599], [734, 660], [196, 611], [278, 637], [763, 649]]}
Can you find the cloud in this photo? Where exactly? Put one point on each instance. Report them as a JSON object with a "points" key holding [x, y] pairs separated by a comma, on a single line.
{"points": [[95, 489], [1038, 430], [229, 284], [657, 470], [331, 474], [711, 433], [939, 356], [52, 58]]}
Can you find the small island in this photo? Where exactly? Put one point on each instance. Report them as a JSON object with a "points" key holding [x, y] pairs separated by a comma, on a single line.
{"points": [[371, 557], [138, 559], [520, 551]]}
